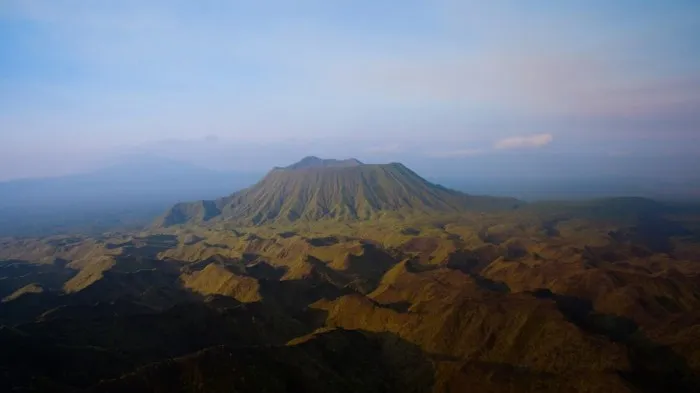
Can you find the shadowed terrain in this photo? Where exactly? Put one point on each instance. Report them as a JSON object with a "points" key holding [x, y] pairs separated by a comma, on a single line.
{"points": [[426, 290]]}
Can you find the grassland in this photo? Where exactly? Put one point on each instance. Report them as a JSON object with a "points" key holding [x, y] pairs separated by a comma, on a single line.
{"points": [[596, 297]]}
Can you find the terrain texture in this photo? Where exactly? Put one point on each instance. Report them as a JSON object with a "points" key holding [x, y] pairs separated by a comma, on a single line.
{"points": [[336, 276], [316, 189]]}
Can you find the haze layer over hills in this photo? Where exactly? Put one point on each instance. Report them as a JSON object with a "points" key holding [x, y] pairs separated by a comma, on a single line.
{"points": [[127, 194], [339, 276]]}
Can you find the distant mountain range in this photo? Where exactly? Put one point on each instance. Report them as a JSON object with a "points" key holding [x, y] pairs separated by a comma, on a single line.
{"points": [[574, 187], [131, 192], [137, 189], [314, 189], [138, 179]]}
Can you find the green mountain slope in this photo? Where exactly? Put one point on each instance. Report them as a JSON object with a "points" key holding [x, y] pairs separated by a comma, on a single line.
{"points": [[315, 189]]}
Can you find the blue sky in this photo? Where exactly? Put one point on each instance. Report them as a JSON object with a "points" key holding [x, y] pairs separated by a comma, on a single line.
{"points": [[440, 85]]}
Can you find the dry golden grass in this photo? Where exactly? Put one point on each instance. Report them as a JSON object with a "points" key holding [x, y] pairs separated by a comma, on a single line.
{"points": [[512, 301]]}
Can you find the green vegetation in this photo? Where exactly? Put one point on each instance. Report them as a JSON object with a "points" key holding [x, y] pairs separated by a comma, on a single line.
{"points": [[314, 190], [428, 290]]}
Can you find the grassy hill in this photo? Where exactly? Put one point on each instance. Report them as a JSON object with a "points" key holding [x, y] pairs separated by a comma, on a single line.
{"points": [[315, 189], [550, 298], [340, 276]]}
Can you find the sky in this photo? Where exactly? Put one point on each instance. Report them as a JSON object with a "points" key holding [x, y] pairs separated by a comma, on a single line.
{"points": [[551, 88]]}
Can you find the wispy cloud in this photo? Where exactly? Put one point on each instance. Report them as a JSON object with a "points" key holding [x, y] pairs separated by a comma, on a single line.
{"points": [[436, 76], [524, 142], [510, 143]]}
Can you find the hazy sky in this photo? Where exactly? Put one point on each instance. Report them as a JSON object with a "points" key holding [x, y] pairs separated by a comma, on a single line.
{"points": [[441, 83]]}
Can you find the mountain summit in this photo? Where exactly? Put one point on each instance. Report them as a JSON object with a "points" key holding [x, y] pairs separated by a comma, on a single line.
{"points": [[315, 189], [315, 162]]}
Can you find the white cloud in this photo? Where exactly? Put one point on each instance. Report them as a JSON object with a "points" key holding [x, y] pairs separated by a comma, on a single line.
{"points": [[515, 142], [263, 71], [455, 153], [522, 142]]}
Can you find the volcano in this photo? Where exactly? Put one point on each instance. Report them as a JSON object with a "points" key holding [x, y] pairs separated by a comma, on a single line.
{"points": [[317, 189]]}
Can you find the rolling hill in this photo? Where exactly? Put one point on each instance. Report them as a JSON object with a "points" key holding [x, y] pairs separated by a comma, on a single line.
{"points": [[381, 282], [589, 297], [316, 189]]}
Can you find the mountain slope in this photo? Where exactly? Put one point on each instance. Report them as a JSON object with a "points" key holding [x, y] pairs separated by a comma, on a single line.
{"points": [[315, 189], [555, 298]]}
